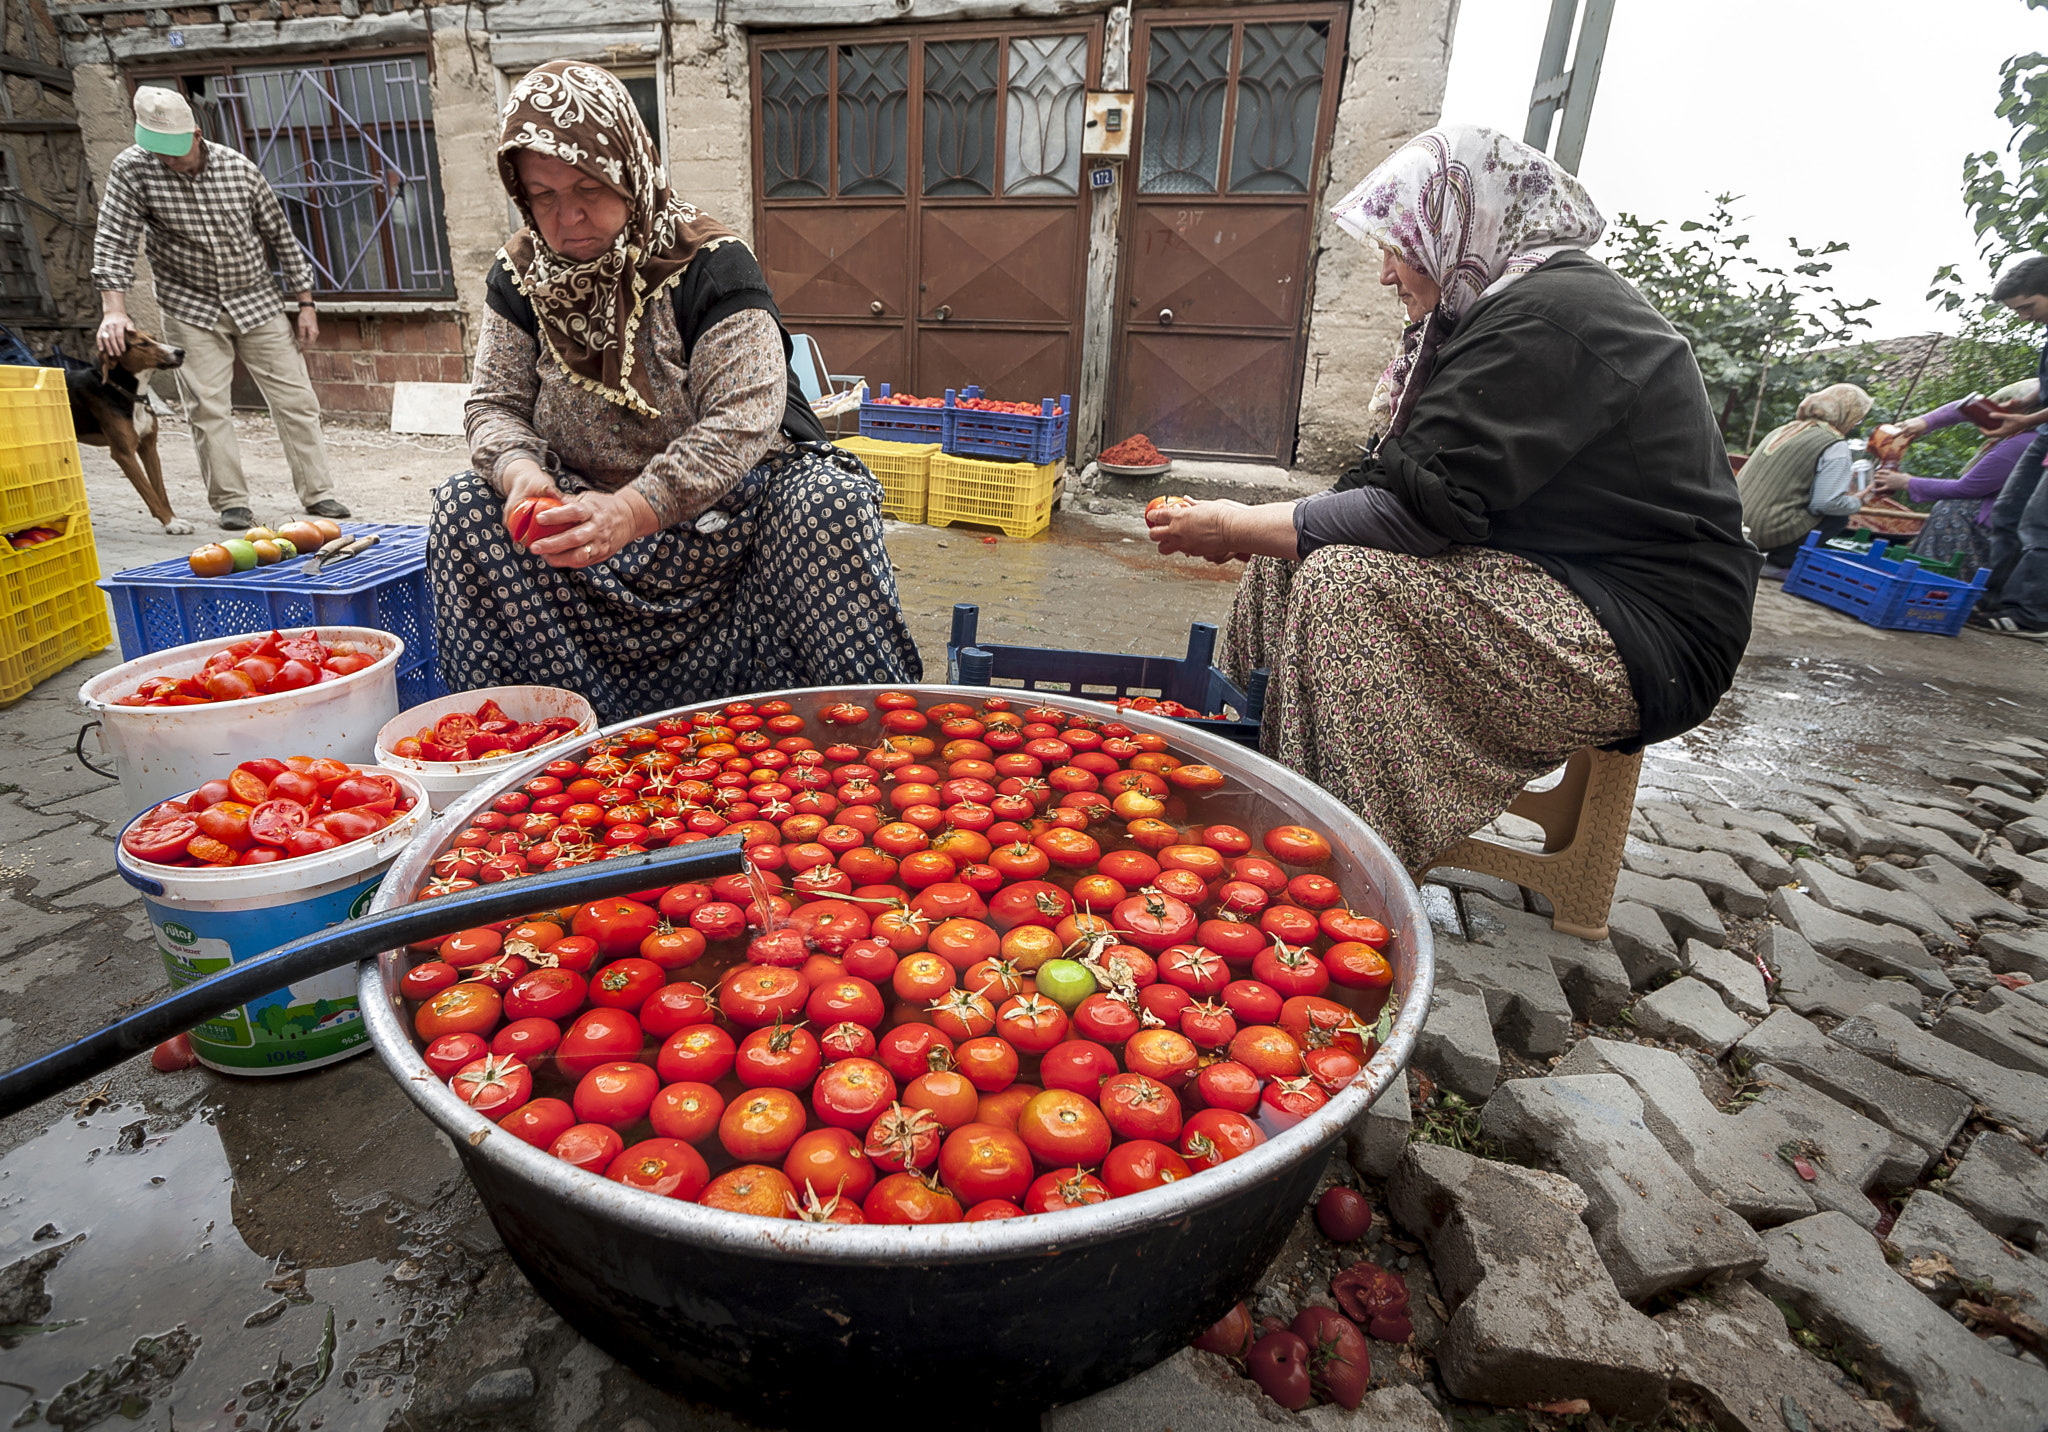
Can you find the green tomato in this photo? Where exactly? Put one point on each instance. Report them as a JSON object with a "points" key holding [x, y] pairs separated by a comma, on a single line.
{"points": [[286, 551], [1065, 982], [243, 551]]}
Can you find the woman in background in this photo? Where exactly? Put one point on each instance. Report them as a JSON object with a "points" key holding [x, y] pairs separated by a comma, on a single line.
{"points": [[1960, 523], [1799, 477]]}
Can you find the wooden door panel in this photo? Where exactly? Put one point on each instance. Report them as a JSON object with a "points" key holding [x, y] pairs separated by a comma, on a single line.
{"points": [[1011, 264], [836, 261], [1012, 365], [874, 351], [1205, 394], [1218, 265]]}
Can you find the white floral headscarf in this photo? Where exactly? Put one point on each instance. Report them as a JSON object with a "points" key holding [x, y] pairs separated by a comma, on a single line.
{"points": [[1473, 209], [589, 311]]}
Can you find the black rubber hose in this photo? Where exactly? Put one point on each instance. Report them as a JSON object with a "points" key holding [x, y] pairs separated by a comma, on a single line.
{"points": [[347, 943]]}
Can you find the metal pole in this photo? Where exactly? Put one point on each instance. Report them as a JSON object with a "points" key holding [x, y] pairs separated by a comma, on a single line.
{"points": [[1548, 93], [1578, 102], [1757, 411]]}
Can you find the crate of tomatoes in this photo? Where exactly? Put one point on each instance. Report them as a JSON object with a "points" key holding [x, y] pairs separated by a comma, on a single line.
{"points": [[980, 426], [901, 418]]}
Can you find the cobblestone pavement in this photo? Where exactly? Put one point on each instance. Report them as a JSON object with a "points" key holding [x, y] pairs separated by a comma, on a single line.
{"points": [[1769, 1157]]}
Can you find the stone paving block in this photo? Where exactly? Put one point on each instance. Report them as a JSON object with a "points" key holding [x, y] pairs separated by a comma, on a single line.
{"points": [[1504, 892], [2006, 805], [1736, 1158], [1689, 1011], [1954, 896], [1378, 1136], [1738, 981], [1951, 818], [1524, 1000], [1926, 1113], [1787, 803], [2028, 878], [1860, 833], [1535, 1317], [1456, 1047], [1681, 905], [2009, 1037], [2028, 835], [1811, 983], [1399, 1408], [1776, 829], [1441, 906], [1591, 974], [1889, 1037], [1974, 773], [1962, 857], [1931, 1225], [2004, 1186], [1835, 1275], [1653, 1227], [1872, 949], [1763, 864], [1190, 1392], [1871, 902], [2016, 951], [1730, 1346], [1645, 948], [23, 927], [2018, 772], [64, 859], [1713, 871]]}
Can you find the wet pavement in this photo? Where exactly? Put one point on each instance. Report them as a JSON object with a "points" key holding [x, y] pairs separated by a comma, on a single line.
{"points": [[195, 1251]]}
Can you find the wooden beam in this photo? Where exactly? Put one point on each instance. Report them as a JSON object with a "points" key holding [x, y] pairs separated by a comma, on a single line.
{"points": [[55, 76]]}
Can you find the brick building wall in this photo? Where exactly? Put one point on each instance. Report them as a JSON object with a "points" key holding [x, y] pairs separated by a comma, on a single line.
{"points": [[360, 356]]}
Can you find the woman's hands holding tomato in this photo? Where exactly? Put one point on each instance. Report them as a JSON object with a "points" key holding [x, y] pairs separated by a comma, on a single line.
{"points": [[1224, 531], [574, 531]]}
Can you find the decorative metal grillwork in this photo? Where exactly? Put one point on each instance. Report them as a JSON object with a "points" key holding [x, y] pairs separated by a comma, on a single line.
{"points": [[1187, 79], [349, 148], [1042, 114], [794, 122], [960, 117], [1279, 96], [874, 118]]}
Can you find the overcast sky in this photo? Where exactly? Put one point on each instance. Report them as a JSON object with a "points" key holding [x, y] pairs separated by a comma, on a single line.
{"points": [[1833, 120]]}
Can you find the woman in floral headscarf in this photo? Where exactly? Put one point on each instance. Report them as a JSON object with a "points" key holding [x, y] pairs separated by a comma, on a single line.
{"points": [[1799, 478], [1543, 552], [632, 363]]}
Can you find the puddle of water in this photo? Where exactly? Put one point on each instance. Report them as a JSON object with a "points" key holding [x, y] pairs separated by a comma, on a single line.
{"points": [[160, 1315]]}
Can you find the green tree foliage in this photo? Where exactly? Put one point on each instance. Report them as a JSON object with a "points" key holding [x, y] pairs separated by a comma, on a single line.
{"points": [[1995, 348], [2008, 210], [1758, 330]]}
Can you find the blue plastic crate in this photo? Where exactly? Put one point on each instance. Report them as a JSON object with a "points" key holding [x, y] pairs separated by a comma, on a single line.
{"points": [[1039, 438], [892, 424], [1881, 591], [1106, 675], [163, 605]]}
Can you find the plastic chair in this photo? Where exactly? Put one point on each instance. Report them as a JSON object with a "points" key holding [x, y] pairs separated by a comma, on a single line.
{"points": [[1585, 823], [816, 381]]}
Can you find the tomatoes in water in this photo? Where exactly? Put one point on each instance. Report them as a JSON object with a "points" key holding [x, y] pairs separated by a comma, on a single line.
{"points": [[1140, 1164], [983, 1161], [616, 1095], [598, 1036], [906, 1198], [668, 1167]]}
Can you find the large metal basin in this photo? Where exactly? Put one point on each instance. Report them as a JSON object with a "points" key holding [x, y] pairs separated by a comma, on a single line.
{"points": [[792, 1322]]}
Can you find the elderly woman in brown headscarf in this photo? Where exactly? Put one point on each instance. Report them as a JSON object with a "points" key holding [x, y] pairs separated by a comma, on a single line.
{"points": [[632, 365], [1799, 477]]}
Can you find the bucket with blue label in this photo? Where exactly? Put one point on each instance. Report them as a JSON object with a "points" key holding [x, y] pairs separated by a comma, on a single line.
{"points": [[206, 919]]}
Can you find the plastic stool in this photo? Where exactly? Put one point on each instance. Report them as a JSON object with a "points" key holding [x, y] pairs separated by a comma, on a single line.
{"points": [[1585, 822]]}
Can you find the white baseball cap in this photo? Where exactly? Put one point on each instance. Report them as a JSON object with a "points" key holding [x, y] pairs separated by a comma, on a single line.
{"points": [[163, 121]]}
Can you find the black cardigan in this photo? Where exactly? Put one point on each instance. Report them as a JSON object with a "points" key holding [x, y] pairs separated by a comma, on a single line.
{"points": [[1566, 422]]}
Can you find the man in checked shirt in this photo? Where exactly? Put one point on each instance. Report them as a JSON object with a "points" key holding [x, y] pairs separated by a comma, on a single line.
{"points": [[208, 216]]}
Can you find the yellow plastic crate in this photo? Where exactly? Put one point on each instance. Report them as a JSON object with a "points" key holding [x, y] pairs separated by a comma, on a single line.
{"points": [[29, 575], [20, 671], [903, 469], [1014, 496], [40, 475]]}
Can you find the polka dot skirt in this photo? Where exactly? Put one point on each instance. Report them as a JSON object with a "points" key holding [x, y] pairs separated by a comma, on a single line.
{"points": [[796, 591]]}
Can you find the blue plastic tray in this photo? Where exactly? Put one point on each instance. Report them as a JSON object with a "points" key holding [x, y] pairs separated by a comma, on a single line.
{"points": [[893, 424], [163, 605], [1038, 439], [1106, 675], [1881, 591]]}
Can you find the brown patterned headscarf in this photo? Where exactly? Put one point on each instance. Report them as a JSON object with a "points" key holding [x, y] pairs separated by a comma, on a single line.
{"points": [[589, 312]]}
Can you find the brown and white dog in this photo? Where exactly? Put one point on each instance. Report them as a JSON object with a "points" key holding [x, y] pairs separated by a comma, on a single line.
{"points": [[108, 410]]}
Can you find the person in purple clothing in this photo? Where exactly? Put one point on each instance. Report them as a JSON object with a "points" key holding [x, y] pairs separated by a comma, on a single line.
{"points": [[1960, 524]]}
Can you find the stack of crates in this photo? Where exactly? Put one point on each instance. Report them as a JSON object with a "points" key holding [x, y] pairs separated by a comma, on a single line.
{"points": [[904, 470], [999, 469], [51, 611]]}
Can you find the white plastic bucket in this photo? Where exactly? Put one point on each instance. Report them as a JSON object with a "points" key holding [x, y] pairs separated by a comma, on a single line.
{"points": [[445, 780], [207, 919], [163, 751]]}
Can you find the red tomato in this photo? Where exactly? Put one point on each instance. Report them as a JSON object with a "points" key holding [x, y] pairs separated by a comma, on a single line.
{"points": [[625, 984], [761, 1125], [989, 1063], [423, 981], [1355, 964], [591, 1147], [619, 926], [830, 1162], [467, 1008], [1251, 1002], [1213, 1136], [599, 1036], [668, 1167], [494, 1085], [530, 1039], [1060, 1127], [1295, 845], [782, 1056], [700, 1053], [912, 1049], [451, 1053], [687, 1111], [1138, 1107], [1078, 1065], [755, 995], [982, 1161], [1141, 1164], [1227, 1084], [906, 1198], [545, 994], [539, 1122], [616, 1095], [1286, 1102]]}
